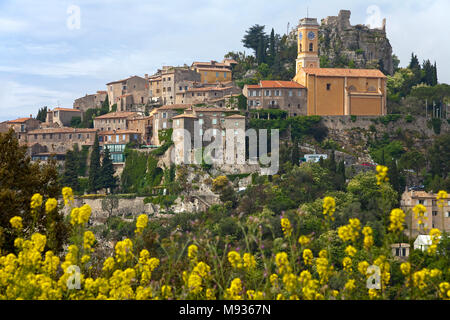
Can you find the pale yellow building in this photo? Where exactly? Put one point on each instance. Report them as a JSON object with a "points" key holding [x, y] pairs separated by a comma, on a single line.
{"points": [[336, 92]]}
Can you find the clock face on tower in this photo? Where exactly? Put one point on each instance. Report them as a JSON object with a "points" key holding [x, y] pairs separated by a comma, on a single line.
{"points": [[311, 35]]}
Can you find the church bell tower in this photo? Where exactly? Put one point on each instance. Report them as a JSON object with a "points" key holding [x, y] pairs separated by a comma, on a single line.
{"points": [[308, 48]]}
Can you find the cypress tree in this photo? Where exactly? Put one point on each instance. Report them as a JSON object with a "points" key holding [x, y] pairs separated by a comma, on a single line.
{"points": [[70, 175], [108, 180], [95, 168], [272, 48]]}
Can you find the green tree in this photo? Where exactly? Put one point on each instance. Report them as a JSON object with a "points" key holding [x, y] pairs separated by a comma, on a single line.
{"points": [[19, 180], [70, 174], [108, 180], [42, 114], [254, 38], [95, 183]]}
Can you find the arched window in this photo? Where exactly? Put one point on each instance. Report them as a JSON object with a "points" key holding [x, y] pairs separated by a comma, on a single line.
{"points": [[351, 88], [311, 47]]}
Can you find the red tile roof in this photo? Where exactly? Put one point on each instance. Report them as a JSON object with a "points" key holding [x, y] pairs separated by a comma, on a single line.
{"points": [[272, 84], [20, 120], [66, 109], [213, 69], [332, 72]]}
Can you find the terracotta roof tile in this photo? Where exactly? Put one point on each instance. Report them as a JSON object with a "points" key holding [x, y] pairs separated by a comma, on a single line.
{"points": [[20, 120], [272, 84], [66, 109], [213, 69], [332, 72], [102, 133]]}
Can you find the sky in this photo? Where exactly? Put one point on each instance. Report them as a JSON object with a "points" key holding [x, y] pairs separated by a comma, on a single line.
{"points": [[54, 51]]}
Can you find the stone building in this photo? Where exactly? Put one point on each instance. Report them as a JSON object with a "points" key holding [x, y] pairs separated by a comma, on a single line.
{"points": [[214, 72], [436, 217], [90, 101], [166, 83], [204, 126], [143, 125], [57, 141], [62, 117], [129, 94], [113, 121], [116, 140], [284, 95], [207, 94], [21, 127], [162, 119], [336, 91]]}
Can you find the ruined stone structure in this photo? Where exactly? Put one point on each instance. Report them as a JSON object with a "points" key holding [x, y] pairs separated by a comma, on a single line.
{"points": [[366, 47], [90, 101], [284, 95]]}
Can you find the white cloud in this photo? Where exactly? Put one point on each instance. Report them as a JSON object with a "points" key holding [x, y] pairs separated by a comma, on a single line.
{"points": [[20, 100], [10, 25]]}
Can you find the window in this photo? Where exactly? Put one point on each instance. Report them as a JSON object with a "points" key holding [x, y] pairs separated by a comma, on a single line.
{"points": [[109, 138], [164, 115], [124, 87], [35, 137], [164, 125], [59, 136], [223, 133], [311, 47], [267, 93], [277, 93], [250, 103], [328, 86], [44, 136], [70, 136], [435, 213], [200, 122], [224, 74], [201, 132], [169, 89], [185, 88], [200, 115], [178, 122], [79, 136], [217, 74], [214, 132], [51, 136], [214, 121], [117, 138], [447, 214], [299, 93], [168, 79], [290, 93], [236, 124]]}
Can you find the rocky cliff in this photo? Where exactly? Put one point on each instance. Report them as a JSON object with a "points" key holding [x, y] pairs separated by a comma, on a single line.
{"points": [[359, 46]]}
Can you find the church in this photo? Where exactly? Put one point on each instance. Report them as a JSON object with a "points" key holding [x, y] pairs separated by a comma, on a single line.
{"points": [[336, 92]]}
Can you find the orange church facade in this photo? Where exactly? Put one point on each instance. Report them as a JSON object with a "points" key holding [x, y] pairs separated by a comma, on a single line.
{"points": [[336, 92]]}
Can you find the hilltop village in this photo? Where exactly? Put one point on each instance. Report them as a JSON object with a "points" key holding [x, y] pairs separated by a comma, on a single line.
{"points": [[140, 107]]}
